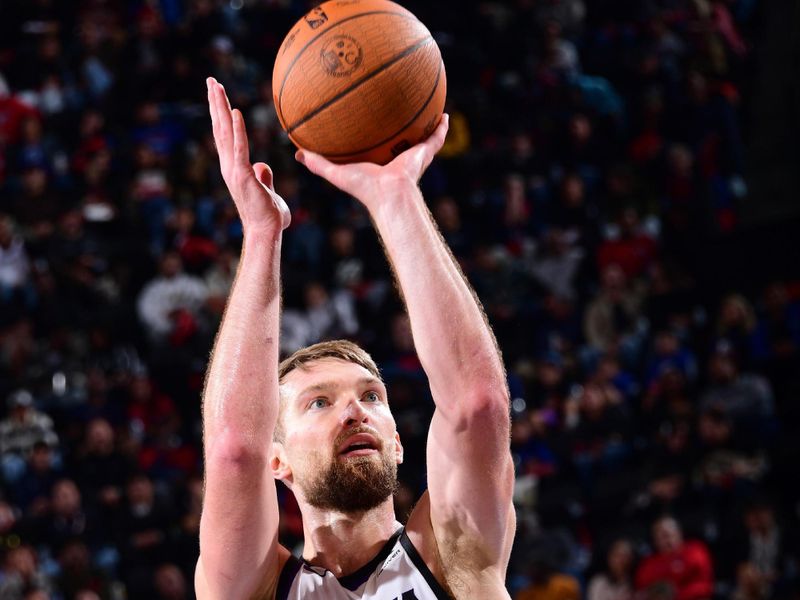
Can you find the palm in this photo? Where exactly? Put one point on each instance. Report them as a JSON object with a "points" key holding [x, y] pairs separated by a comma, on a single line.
{"points": [[361, 179], [250, 186]]}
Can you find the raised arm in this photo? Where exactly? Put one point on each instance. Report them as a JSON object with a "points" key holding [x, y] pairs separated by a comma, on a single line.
{"points": [[470, 472], [239, 549]]}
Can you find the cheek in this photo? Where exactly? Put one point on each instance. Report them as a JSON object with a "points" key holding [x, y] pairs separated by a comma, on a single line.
{"points": [[305, 449]]}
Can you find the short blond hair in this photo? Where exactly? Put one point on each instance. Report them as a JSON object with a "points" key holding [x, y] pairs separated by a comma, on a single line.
{"points": [[341, 349]]}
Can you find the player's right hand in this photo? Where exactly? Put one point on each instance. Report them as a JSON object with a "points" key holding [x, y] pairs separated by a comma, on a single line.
{"points": [[251, 187], [375, 185]]}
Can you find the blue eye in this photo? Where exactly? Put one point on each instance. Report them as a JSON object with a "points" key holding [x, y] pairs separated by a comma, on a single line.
{"points": [[318, 403], [371, 397]]}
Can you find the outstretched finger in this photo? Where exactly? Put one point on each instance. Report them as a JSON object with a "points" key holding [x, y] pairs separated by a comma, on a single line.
{"points": [[241, 148], [428, 149], [212, 108], [435, 142], [225, 141]]}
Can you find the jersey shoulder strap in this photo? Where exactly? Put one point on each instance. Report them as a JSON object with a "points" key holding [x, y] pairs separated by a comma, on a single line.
{"points": [[420, 565]]}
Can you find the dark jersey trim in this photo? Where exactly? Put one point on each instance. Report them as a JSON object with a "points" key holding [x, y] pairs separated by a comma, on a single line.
{"points": [[286, 579], [435, 586], [358, 577], [351, 581]]}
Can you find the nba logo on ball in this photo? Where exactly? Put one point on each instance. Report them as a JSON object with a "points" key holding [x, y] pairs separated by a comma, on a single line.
{"points": [[359, 80]]}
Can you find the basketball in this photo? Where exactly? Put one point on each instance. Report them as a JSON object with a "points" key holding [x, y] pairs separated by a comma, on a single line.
{"points": [[359, 80]]}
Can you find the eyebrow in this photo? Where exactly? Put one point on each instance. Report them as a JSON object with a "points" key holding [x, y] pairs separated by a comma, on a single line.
{"points": [[324, 386]]}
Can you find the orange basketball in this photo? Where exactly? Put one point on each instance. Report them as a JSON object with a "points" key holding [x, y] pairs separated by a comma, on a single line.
{"points": [[359, 80]]}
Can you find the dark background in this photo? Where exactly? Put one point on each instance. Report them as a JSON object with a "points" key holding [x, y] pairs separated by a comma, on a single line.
{"points": [[619, 185]]}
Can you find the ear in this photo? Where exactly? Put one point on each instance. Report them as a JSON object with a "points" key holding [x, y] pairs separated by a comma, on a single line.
{"points": [[279, 464], [398, 449]]}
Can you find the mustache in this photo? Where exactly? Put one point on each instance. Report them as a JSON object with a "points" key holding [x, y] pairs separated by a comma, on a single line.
{"points": [[342, 437]]}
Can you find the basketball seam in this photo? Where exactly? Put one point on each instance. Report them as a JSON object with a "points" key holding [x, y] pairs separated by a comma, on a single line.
{"points": [[321, 33], [328, 103], [404, 127]]}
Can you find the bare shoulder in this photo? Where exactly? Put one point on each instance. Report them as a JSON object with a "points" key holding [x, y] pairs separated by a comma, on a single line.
{"points": [[265, 590], [455, 560]]}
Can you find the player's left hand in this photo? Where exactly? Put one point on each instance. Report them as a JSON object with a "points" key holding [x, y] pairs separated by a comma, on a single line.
{"points": [[369, 182]]}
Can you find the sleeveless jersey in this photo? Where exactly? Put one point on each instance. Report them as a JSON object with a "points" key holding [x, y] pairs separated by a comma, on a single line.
{"points": [[396, 573]]}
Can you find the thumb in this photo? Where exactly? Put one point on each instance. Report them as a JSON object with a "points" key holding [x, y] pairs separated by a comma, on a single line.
{"points": [[264, 174]]}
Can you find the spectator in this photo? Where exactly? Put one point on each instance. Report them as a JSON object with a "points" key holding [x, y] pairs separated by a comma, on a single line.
{"points": [[32, 491], [682, 566], [633, 249], [729, 460], [777, 332], [669, 353], [736, 325], [612, 319], [20, 431], [99, 468], [12, 113], [219, 279], [14, 263], [326, 316], [22, 576], [8, 521], [547, 583], [750, 584], [196, 249], [743, 396], [598, 428], [66, 518], [143, 531], [616, 582], [764, 552], [556, 264], [76, 572], [516, 224], [171, 304], [148, 407], [575, 213], [448, 216], [170, 583]]}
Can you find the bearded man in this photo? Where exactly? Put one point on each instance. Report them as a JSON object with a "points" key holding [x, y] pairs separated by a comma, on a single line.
{"points": [[321, 420]]}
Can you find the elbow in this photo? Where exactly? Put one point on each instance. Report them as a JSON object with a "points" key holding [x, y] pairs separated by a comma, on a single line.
{"points": [[233, 453], [483, 406], [492, 399]]}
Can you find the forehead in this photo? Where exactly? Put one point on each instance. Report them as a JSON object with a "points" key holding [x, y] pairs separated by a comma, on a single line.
{"points": [[325, 373]]}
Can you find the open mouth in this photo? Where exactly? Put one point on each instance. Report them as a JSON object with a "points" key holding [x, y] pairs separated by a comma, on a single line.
{"points": [[361, 444]]}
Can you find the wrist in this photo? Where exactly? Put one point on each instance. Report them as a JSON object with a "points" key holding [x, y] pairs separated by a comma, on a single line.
{"points": [[262, 245], [262, 236], [391, 196]]}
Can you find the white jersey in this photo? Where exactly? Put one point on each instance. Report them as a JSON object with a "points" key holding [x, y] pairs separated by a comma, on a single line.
{"points": [[396, 573]]}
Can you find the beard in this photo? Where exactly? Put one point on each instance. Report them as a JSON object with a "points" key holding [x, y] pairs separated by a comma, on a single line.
{"points": [[355, 484]]}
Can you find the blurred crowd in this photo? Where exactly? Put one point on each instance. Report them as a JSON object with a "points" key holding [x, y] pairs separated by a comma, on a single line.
{"points": [[596, 150]]}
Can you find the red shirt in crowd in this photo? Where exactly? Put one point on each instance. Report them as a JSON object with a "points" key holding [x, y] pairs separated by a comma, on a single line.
{"points": [[633, 254], [688, 570], [12, 112]]}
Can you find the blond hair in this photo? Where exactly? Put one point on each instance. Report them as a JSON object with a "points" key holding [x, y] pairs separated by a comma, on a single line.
{"points": [[341, 349]]}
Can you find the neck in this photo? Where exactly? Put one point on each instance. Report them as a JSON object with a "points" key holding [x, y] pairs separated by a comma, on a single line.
{"points": [[344, 542]]}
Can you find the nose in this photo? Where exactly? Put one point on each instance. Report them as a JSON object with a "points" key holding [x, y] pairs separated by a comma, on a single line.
{"points": [[353, 414]]}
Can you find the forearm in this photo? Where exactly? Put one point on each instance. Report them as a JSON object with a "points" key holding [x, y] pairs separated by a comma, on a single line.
{"points": [[240, 401], [453, 340]]}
